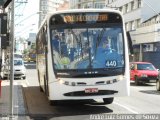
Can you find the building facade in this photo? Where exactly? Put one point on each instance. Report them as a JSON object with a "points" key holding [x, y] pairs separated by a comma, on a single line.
{"points": [[76, 4], [49, 6], [142, 19]]}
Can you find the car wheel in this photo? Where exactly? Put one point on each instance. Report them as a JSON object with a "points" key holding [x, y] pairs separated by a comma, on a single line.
{"points": [[136, 80], [108, 100], [158, 85]]}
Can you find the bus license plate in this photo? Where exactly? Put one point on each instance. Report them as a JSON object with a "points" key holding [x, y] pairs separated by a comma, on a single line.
{"points": [[91, 90]]}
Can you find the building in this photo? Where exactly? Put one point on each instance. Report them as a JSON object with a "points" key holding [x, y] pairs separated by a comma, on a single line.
{"points": [[76, 4], [32, 37], [63, 6], [49, 6], [142, 19]]}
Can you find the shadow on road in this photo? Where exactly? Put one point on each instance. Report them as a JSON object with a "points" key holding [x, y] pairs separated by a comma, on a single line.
{"points": [[142, 84], [151, 92], [38, 106]]}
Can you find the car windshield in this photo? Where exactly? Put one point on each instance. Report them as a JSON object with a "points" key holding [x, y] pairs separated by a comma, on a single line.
{"points": [[18, 62], [145, 67]]}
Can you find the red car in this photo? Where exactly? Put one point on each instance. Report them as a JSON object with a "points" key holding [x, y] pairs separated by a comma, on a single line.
{"points": [[143, 72]]}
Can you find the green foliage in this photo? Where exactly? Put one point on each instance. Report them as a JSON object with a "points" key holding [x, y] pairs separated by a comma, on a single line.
{"points": [[25, 51]]}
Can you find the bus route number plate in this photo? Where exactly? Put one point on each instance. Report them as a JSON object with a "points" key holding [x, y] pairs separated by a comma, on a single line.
{"points": [[91, 90]]}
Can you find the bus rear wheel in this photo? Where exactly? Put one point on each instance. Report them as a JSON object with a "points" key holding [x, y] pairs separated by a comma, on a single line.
{"points": [[108, 100]]}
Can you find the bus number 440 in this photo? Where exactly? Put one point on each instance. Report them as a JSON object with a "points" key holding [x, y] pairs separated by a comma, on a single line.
{"points": [[111, 63]]}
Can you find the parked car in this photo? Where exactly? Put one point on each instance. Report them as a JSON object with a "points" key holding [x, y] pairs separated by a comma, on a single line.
{"points": [[143, 72], [19, 69]]}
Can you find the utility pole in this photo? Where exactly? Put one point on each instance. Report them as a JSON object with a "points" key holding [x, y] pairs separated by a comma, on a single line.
{"points": [[12, 60]]}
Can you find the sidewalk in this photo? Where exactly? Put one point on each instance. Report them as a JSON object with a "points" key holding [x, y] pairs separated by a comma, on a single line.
{"points": [[19, 108]]}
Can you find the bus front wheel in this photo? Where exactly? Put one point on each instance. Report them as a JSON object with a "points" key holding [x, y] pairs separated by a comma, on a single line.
{"points": [[108, 100], [53, 102]]}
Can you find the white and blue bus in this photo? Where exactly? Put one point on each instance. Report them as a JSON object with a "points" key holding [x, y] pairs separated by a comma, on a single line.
{"points": [[83, 54]]}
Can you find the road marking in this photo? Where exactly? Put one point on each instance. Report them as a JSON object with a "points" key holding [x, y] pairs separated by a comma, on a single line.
{"points": [[129, 109]]}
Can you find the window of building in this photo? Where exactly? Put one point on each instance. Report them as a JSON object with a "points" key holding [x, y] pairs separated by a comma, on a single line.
{"points": [[44, 8], [138, 22], [109, 1], [127, 26], [132, 25], [120, 9], [99, 5], [132, 5], [126, 8], [44, 2], [139, 3]]}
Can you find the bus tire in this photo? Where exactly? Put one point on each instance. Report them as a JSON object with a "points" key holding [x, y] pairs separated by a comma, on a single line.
{"points": [[40, 88], [158, 85], [108, 100], [45, 85], [53, 102]]}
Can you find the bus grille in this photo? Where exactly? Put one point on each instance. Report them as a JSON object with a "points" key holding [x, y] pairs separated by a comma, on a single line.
{"points": [[82, 93]]}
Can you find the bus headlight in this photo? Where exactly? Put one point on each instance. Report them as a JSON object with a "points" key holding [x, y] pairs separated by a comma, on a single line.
{"points": [[61, 81], [121, 77]]}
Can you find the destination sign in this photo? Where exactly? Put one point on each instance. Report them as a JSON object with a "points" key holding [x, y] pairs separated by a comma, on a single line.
{"points": [[85, 18]]}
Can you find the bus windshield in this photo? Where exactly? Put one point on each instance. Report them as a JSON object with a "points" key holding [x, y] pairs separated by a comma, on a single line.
{"points": [[82, 48], [87, 42]]}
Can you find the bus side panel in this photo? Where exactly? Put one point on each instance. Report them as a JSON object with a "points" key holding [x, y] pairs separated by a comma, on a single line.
{"points": [[41, 59], [51, 75]]}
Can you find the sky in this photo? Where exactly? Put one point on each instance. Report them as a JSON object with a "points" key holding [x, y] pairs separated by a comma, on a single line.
{"points": [[26, 18]]}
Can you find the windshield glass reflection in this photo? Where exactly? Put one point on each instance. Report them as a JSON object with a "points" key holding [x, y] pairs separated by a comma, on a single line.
{"points": [[87, 48]]}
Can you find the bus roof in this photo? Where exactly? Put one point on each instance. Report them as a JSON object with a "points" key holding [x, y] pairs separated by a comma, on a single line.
{"points": [[85, 10]]}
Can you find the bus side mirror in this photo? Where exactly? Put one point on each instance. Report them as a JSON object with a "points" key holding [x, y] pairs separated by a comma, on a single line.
{"points": [[130, 43]]}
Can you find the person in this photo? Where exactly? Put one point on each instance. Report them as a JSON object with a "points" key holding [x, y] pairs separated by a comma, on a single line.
{"points": [[56, 43], [106, 46]]}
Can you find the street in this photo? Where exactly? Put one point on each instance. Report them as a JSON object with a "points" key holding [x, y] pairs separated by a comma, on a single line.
{"points": [[142, 100], [93, 47]]}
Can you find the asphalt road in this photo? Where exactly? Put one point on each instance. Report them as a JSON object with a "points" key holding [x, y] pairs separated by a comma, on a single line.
{"points": [[144, 99]]}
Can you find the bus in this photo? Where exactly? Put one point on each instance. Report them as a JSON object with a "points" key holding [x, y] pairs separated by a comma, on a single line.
{"points": [[31, 56], [83, 54]]}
